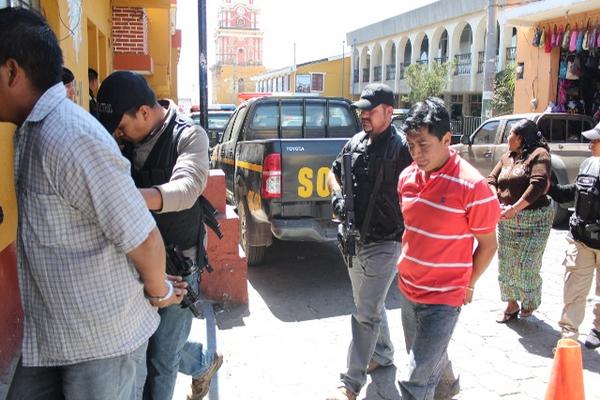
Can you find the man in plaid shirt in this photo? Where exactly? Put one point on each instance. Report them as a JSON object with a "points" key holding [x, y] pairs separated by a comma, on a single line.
{"points": [[90, 259]]}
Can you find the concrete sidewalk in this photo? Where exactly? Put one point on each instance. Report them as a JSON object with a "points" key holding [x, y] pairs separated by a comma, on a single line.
{"points": [[290, 343]]}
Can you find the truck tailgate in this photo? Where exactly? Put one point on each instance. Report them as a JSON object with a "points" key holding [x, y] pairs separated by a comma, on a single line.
{"points": [[305, 164]]}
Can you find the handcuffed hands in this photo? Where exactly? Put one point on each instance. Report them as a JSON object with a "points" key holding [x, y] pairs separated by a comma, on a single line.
{"points": [[179, 291], [508, 212]]}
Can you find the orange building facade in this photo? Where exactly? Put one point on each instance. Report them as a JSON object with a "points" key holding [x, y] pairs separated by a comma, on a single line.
{"points": [[540, 85]]}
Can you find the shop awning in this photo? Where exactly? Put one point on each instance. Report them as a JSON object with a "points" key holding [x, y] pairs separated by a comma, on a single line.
{"points": [[538, 11]]}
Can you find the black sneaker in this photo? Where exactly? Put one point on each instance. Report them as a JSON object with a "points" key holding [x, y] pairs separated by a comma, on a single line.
{"points": [[593, 339]]}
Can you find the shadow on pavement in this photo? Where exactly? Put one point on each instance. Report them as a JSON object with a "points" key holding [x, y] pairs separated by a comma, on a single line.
{"points": [[231, 317], [302, 281], [539, 338]]}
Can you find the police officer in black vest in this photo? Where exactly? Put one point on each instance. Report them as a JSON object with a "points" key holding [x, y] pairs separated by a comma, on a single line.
{"points": [[378, 154], [169, 158], [583, 252]]}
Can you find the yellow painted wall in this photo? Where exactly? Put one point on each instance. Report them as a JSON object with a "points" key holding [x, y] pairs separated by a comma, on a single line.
{"points": [[8, 201], [96, 21], [333, 82], [540, 76], [223, 78], [159, 47], [96, 52], [95, 18]]}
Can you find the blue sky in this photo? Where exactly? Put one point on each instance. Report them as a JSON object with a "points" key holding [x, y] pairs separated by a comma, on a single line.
{"points": [[318, 27]]}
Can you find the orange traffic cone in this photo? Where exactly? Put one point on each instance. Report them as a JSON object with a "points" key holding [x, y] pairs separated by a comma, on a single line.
{"points": [[566, 379]]}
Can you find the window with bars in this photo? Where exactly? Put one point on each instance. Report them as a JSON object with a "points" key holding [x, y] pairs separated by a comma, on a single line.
{"points": [[316, 82]]}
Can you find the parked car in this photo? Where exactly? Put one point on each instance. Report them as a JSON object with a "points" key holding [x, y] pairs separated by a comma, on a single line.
{"points": [[276, 153], [484, 147], [217, 120]]}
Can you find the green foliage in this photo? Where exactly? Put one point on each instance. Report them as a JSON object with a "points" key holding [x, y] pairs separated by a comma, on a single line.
{"points": [[425, 82], [504, 90]]}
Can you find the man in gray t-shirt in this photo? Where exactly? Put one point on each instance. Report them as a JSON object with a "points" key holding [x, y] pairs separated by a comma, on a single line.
{"points": [[169, 157]]}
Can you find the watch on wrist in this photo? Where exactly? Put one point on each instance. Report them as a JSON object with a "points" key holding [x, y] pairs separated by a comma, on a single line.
{"points": [[170, 290]]}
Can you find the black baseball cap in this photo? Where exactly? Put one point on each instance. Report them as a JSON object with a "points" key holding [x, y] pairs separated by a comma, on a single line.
{"points": [[374, 95], [120, 92]]}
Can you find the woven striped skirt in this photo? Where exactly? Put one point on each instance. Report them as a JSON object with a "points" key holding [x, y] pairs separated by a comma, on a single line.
{"points": [[521, 244]]}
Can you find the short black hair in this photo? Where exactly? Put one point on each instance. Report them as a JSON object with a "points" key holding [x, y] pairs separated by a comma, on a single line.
{"points": [[26, 37], [67, 76], [430, 113], [92, 74]]}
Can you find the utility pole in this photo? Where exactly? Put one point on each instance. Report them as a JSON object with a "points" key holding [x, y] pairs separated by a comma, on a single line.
{"points": [[489, 67], [343, 61], [353, 70], [202, 70]]}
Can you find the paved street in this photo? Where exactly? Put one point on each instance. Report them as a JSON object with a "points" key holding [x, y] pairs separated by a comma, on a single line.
{"points": [[290, 343]]}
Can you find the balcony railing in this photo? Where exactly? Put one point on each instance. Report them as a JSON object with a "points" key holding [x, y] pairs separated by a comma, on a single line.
{"points": [[480, 61], [423, 61], [511, 54], [390, 72], [401, 68], [441, 60], [463, 64], [355, 79], [366, 76], [377, 73]]}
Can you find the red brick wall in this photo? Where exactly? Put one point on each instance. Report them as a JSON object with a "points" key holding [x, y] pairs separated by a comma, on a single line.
{"points": [[130, 30], [11, 316]]}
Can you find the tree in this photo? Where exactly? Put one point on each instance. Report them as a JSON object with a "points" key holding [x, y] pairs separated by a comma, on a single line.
{"points": [[425, 82], [504, 90]]}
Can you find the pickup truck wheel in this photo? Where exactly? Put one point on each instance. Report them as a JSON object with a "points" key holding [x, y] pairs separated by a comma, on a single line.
{"points": [[255, 255]]}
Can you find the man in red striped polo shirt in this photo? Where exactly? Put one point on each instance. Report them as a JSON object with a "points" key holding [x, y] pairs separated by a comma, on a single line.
{"points": [[446, 205]]}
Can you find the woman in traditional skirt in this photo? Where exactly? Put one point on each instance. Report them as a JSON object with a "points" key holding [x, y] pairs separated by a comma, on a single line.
{"points": [[521, 179]]}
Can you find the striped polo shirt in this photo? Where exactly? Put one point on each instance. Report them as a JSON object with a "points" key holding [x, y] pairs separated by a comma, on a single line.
{"points": [[441, 215]]}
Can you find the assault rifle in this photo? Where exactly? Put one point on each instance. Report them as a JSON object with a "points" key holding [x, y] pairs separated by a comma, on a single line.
{"points": [[180, 265], [348, 235], [209, 213]]}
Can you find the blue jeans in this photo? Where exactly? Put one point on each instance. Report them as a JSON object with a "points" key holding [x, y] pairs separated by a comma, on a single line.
{"points": [[194, 361], [371, 276], [106, 379], [169, 351], [427, 331]]}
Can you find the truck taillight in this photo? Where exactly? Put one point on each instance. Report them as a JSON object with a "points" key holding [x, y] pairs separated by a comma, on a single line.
{"points": [[271, 177]]}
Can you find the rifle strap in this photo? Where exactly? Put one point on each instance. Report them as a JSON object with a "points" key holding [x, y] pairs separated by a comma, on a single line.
{"points": [[372, 197]]}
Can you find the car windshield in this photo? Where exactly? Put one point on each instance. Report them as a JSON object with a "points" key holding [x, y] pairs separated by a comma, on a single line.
{"points": [[217, 121]]}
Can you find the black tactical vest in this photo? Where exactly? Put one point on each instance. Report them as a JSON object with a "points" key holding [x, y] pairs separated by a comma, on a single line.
{"points": [[386, 221], [585, 223], [182, 228]]}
